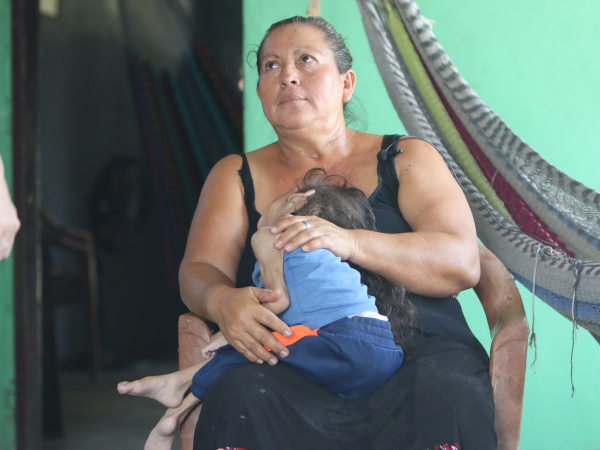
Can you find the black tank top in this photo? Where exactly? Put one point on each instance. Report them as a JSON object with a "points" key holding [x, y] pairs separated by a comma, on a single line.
{"points": [[438, 316]]}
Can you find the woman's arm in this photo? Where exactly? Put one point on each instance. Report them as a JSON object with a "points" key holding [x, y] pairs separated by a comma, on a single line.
{"points": [[208, 271], [439, 258]]}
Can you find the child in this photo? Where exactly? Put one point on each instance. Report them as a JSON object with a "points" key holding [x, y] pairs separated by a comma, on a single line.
{"points": [[339, 338]]}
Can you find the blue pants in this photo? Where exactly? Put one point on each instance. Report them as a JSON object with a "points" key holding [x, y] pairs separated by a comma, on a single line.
{"points": [[349, 357]]}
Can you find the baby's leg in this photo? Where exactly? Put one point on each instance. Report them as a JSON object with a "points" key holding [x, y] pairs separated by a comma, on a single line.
{"points": [[161, 437], [167, 389]]}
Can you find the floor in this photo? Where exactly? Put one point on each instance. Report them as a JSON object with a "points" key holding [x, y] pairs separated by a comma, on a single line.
{"points": [[97, 417]]}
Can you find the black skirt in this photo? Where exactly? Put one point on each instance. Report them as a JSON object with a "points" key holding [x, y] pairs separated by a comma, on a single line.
{"points": [[441, 398]]}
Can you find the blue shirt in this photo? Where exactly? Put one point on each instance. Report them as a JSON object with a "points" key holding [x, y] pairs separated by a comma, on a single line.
{"points": [[322, 289]]}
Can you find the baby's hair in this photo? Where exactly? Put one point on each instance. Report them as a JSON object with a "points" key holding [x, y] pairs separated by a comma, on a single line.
{"points": [[348, 207]]}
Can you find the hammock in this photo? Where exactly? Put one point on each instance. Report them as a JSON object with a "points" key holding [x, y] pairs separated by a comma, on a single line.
{"points": [[542, 224]]}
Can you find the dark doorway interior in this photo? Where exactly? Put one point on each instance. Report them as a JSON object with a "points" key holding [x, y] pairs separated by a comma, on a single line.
{"points": [[101, 127]]}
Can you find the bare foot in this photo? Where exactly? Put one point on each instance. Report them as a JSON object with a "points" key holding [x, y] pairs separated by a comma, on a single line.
{"points": [[161, 437], [166, 389]]}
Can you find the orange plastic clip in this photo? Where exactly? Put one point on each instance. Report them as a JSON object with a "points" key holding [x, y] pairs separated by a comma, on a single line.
{"points": [[298, 332]]}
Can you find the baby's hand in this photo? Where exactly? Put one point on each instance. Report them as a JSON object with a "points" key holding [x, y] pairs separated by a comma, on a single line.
{"points": [[284, 204], [270, 261], [216, 341]]}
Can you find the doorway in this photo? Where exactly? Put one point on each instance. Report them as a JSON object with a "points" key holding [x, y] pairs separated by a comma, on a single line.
{"points": [[135, 101]]}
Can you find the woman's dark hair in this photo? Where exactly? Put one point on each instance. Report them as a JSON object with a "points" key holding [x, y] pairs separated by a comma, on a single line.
{"points": [[337, 45], [348, 207]]}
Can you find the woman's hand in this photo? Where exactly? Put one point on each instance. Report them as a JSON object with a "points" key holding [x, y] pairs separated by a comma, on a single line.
{"points": [[208, 271], [321, 234], [242, 320]]}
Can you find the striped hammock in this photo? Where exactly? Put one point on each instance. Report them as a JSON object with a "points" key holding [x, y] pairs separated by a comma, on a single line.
{"points": [[542, 224]]}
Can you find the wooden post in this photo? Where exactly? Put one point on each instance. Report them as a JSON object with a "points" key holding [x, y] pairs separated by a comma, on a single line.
{"points": [[7, 341], [27, 250], [314, 8]]}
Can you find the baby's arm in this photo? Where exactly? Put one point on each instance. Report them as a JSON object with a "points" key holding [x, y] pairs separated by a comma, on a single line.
{"points": [[216, 341], [270, 261]]}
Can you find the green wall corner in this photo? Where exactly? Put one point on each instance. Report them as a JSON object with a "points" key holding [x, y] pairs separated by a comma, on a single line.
{"points": [[533, 63], [7, 342]]}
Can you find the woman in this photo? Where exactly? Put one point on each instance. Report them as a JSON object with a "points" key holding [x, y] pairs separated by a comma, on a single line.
{"points": [[426, 242], [339, 340]]}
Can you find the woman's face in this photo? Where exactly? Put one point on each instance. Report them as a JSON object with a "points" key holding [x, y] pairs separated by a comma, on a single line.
{"points": [[299, 83]]}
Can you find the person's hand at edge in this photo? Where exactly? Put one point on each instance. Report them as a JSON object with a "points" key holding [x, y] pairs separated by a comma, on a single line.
{"points": [[9, 221]]}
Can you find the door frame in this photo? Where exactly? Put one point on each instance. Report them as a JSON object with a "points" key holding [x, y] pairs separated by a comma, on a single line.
{"points": [[27, 250]]}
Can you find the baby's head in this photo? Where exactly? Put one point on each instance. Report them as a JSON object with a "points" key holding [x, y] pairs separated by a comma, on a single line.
{"points": [[333, 200], [348, 207]]}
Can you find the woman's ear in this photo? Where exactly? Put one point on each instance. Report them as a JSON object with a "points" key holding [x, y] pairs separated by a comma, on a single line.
{"points": [[349, 85]]}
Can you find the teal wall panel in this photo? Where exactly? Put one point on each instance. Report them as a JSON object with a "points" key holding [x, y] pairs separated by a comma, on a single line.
{"points": [[7, 343], [532, 62]]}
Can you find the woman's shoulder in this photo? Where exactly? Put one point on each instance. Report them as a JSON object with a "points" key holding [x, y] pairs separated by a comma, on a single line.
{"points": [[415, 150], [375, 142], [236, 160], [228, 163], [261, 158], [225, 174], [368, 140]]}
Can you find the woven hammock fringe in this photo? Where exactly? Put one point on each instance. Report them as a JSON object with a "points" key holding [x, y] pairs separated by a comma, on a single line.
{"points": [[552, 279], [532, 339]]}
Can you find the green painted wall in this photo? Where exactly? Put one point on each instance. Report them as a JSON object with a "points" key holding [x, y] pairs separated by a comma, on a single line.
{"points": [[7, 343], [535, 63]]}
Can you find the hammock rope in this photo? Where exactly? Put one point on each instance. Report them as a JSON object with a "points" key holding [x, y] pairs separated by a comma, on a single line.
{"points": [[534, 262], [570, 209], [449, 135]]}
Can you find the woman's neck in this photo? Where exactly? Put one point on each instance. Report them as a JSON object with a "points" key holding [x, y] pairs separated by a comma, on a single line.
{"points": [[315, 146]]}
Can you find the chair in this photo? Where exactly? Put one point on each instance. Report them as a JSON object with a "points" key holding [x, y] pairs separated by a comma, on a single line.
{"points": [[79, 285], [503, 308], [194, 334], [61, 286]]}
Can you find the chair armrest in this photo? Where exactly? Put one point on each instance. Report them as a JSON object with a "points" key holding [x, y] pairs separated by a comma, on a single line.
{"points": [[508, 360], [505, 314], [70, 238], [498, 293], [194, 335]]}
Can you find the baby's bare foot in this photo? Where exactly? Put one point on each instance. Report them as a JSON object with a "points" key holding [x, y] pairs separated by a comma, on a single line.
{"points": [[161, 437], [167, 389]]}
